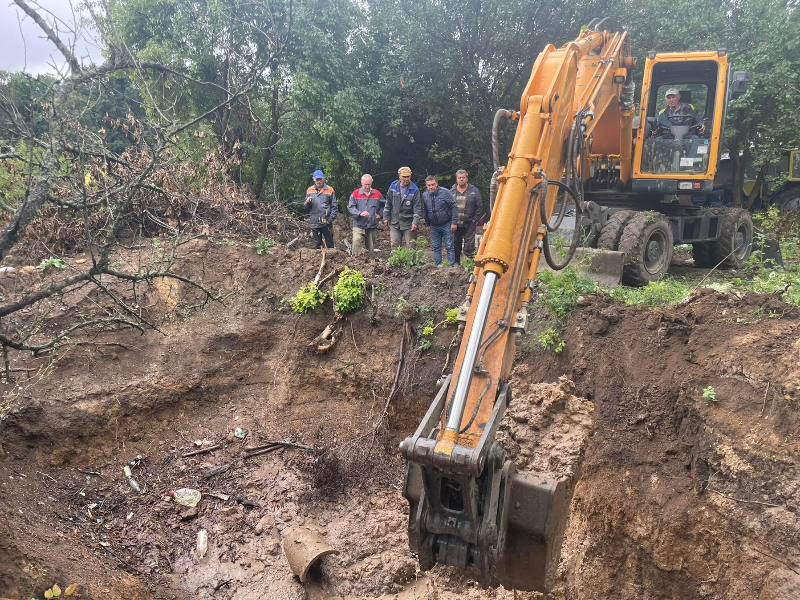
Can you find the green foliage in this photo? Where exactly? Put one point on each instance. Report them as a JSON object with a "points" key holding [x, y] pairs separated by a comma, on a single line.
{"points": [[263, 245], [348, 293], [767, 220], [308, 298], [656, 293], [51, 263], [560, 291], [451, 316], [710, 394], [550, 339], [468, 264], [412, 256]]}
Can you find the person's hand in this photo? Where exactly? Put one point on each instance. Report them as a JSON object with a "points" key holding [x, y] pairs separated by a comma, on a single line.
{"points": [[453, 228], [364, 213], [308, 200], [702, 128], [414, 227]]}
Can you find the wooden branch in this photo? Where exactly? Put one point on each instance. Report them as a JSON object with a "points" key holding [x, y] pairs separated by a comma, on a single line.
{"points": [[51, 35], [202, 451]]}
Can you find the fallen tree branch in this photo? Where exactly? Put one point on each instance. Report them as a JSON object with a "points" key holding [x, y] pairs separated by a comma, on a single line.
{"points": [[202, 451]]}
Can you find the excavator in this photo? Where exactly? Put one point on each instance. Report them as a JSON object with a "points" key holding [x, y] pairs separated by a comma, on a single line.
{"points": [[579, 146]]}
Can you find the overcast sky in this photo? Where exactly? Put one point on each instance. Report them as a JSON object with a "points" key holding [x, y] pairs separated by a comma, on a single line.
{"points": [[23, 45]]}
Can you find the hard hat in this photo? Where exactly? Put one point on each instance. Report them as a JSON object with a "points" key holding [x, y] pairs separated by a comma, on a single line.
{"points": [[318, 175], [671, 92], [405, 171]]}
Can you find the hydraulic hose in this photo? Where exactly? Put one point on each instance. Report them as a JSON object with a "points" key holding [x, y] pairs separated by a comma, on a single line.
{"points": [[495, 126]]}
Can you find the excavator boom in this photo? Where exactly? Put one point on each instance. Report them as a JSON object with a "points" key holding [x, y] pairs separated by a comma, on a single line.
{"points": [[469, 507]]}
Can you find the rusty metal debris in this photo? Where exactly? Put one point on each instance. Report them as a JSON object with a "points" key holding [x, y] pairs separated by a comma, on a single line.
{"points": [[303, 548]]}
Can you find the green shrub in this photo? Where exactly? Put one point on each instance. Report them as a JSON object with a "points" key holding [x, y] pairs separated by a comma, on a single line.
{"points": [[263, 245], [550, 339], [412, 256], [710, 394], [560, 291], [51, 263], [656, 293], [308, 298], [348, 293], [451, 316]]}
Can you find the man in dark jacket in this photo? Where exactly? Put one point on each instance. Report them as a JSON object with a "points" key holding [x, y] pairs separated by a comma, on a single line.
{"points": [[441, 215], [678, 113], [468, 199], [321, 203], [366, 206], [403, 209]]}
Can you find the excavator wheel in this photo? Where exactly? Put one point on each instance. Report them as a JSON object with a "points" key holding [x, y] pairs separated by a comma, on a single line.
{"points": [[788, 200], [735, 242], [612, 230], [646, 241], [703, 254]]}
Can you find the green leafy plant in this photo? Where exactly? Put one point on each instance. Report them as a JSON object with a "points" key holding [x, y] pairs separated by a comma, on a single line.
{"points": [[468, 264], [710, 394], [55, 591], [550, 339], [307, 298], [656, 293], [51, 263], [451, 316], [412, 256], [348, 293], [560, 291], [767, 220], [263, 245]]}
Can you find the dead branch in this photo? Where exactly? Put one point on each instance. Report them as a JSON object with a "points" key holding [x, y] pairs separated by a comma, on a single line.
{"points": [[393, 391], [319, 272], [202, 451]]}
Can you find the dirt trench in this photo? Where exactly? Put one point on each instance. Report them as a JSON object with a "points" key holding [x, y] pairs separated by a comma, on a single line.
{"points": [[680, 496]]}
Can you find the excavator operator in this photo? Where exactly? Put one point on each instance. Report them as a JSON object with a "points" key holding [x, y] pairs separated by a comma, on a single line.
{"points": [[677, 113]]}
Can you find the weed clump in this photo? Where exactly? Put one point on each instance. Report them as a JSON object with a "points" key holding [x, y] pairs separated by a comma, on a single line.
{"points": [[308, 298], [412, 256], [560, 291], [656, 293], [348, 293]]}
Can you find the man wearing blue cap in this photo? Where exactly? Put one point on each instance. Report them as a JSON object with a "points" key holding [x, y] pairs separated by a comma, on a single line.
{"points": [[321, 204]]}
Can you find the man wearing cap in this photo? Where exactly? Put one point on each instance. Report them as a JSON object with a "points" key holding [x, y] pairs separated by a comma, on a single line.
{"points": [[403, 209], [366, 206], [321, 203], [468, 199], [441, 215], [676, 108]]}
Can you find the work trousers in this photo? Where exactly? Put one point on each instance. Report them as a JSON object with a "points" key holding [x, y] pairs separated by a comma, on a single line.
{"points": [[401, 237], [465, 235], [364, 239], [322, 234], [441, 233]]}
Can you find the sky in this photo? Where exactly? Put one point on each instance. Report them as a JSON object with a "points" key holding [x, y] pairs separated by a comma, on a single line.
{"points": [[23, 46]]}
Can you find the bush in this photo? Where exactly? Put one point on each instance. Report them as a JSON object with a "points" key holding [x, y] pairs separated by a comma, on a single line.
{"points": [[412, 256], [263, 245], [308, 298], [348, 293]]}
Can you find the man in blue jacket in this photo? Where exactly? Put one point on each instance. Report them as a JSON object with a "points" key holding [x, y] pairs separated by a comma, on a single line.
{"points": [[321, 203], [403, 209], [441, 215], [366, 206]]}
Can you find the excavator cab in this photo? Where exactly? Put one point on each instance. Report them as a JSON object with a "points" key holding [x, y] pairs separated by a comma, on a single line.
{"points": [[679, 153]]}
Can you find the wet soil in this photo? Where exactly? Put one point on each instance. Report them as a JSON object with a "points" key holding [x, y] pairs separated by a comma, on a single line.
{"points": [[680, 495]]}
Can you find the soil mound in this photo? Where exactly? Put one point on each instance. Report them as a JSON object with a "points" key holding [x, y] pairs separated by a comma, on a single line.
{"points": [[683, 493]]}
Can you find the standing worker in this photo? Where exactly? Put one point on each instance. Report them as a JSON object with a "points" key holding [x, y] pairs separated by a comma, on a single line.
{"points": [[403, 209], [441, 215], [321, 203], [468, 199], [366, 206]]}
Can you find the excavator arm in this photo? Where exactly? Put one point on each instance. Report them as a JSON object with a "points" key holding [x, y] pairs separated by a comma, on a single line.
{"points": [[468, 506]]}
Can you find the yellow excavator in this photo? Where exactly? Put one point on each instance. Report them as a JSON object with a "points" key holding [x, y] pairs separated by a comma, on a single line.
{"points": [[579, 146]]}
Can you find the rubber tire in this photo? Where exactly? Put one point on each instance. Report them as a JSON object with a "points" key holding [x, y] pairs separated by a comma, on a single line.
{"points": [[703, 254], [638, 233], [791, 195], [732, 221], [612, 230]]}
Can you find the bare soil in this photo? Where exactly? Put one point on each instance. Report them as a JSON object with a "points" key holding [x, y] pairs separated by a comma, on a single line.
{"points": [[680, 496]]}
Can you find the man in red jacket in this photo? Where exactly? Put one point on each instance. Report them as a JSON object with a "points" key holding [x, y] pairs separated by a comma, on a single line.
{"points": [[366, 206]]}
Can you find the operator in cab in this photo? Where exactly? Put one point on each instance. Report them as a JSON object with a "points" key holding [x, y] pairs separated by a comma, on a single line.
{"points": [[677, 113]]}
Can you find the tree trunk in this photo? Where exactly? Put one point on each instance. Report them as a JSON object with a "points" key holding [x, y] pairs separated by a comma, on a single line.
{"points": [[756, 191], [272, 139]]}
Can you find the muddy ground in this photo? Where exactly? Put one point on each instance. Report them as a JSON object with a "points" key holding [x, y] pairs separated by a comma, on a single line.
{"points": [[681, 496]]}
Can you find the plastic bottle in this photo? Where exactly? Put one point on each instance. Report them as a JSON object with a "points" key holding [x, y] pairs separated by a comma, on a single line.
{"points": [[131, 481], [202, 543], [186, 496]]}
